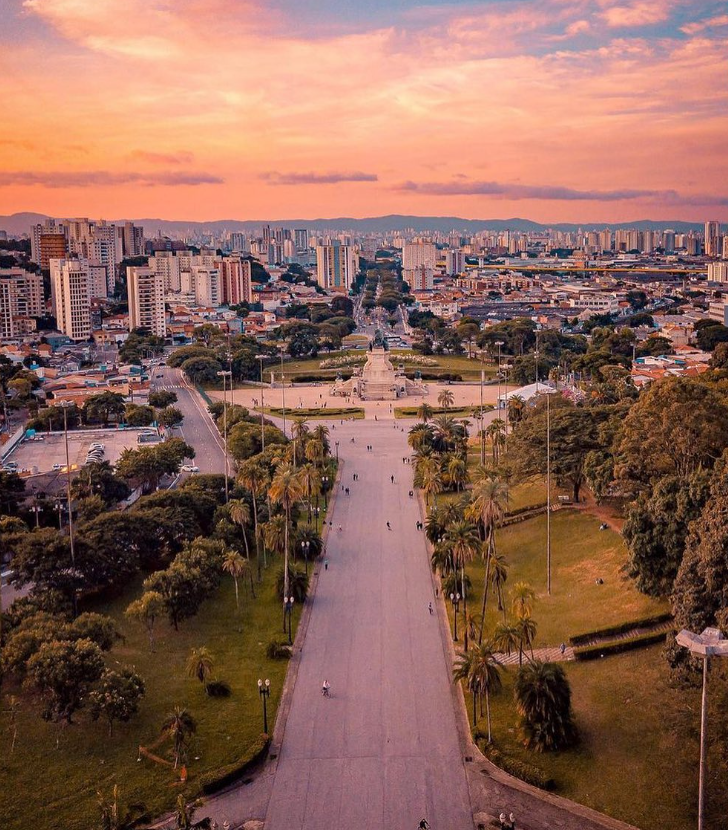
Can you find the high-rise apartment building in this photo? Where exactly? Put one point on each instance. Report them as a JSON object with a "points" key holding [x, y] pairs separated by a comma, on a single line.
{"points": [[454, 262], [238, 244], [70, 297], [421, 278], [235, 280], [718, 271], [132, 240], [47, 241], [300, 236], [167, 265], [712, 239], [145, 291], [21, 299], [415, 254], [336, 266]]}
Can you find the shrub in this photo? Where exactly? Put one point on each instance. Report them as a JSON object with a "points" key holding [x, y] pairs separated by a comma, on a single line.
{"points": [[276, 650], [218, 688], [613, 630], [594, 652], [211, 782], [529, 773]]}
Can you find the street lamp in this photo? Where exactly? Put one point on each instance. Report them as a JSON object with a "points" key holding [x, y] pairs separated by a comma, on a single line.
{"points": [[65, 406], [261, 358], [455, 600], [316, 512], [288, 612], [710, 643], [58, 507], [225, 373], [264, 692], [36, 508], [325, 488], [337, 452], [500, 343], [306, 547], [283, 394]]}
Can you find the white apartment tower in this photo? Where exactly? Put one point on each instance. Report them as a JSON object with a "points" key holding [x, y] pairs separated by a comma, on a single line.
{"points": [[415, 254], [70, 296], [336, 266], [145, 290]]}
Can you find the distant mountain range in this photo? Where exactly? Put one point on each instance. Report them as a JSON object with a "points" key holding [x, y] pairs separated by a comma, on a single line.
{"points": [[19, 223]]}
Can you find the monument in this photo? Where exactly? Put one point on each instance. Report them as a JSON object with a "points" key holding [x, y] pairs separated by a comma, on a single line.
{"points": [[378, 380]]}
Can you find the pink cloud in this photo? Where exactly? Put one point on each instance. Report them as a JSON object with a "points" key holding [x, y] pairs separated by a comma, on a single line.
{"points": [[180, 157], [640, 13], [103, 178], [275, 178], [702, 25]]}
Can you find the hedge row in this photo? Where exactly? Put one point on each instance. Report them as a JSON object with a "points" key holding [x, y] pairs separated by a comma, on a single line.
{"points": [[318, 412], [435, 376], [215, 780], [611, 631], [519, 510], [529, 773], [618, 646]]}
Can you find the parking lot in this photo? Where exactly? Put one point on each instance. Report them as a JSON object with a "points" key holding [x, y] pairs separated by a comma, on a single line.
{"points": [[40, 456]]}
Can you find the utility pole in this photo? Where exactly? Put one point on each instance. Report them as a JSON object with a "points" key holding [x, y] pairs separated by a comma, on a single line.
{"points": [[225, 374], [283, 392], [482, 433], [261, 358], [65, 406]]}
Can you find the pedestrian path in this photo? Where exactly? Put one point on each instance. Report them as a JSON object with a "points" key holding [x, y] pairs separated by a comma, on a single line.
{"points": [[550, 654]]}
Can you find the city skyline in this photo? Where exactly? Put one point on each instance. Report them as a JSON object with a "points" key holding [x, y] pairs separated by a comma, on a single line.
{"points": [[588, 111]]}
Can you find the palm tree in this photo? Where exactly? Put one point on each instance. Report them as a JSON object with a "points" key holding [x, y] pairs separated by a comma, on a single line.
{"points": [[236, 566], [311, 481], [200, 664], [321, 433], [446, 399], [496, 431], [543, 702], [286, 489], [420, 437], [240, 515], [498, 577], [526, 627], [516, 409], [299, 433], [254, 477], [179, 726], [463, 541], [184, 815], [522, 599], [297, 584], [457, 472], [481, 671], [113, 817], [489, 500], [274, 534], [424, 412], [428, 477], [506, 638], [315, 451]]}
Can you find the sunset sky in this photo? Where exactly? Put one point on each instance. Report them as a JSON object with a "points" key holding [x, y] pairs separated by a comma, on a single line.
{"points": [[555, 110]]}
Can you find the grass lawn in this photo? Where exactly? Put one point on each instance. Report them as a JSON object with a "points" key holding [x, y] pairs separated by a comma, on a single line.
{"points": [[638, 755], [53, 776], [580, 553], [452, 412]]}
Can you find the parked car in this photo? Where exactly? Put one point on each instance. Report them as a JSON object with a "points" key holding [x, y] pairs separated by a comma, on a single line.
{"points": [[190, 468]]}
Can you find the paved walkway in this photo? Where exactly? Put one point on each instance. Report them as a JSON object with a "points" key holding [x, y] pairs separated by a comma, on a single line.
{"points": [[550, 654], [391, 746]]}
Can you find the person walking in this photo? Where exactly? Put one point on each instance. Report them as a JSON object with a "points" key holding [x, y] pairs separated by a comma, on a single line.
{"points": [[326, 564], [392, 477], [389, 526], [512, 821], [429, 607]]}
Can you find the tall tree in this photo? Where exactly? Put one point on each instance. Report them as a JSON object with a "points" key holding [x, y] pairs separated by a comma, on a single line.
{"points": [[179, 726], [543, 702], [117, 697], [286, 489]]}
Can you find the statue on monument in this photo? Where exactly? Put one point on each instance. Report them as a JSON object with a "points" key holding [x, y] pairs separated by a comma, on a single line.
{"points": [[379, 341]]}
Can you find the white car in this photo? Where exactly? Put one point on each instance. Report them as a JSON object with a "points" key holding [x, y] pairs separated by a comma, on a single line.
{"points": [[97, 447], [190, 468], [59, 466]]}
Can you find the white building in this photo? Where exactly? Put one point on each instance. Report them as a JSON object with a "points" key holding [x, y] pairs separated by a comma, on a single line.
{"points": [[167, 265], [712, 239], [454, 263], [718, 271], [21, 298], [416, 254], [603, 303], [336, 266], [70, 295], [145, 291]]}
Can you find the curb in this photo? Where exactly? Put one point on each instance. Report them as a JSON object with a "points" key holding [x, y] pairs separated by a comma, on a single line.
{"points": [[474, 760]]}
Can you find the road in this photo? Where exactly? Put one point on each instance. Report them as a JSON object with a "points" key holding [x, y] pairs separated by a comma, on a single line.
{"points": [[383, 751], [197, 428]]}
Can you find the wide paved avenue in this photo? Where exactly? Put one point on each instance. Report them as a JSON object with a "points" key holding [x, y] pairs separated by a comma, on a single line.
{"points": [[383, 751]]}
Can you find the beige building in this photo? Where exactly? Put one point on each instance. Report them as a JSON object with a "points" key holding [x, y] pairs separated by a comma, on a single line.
{"points": [[235, 280], [70, 295], [145, 291], [21, 298]]}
